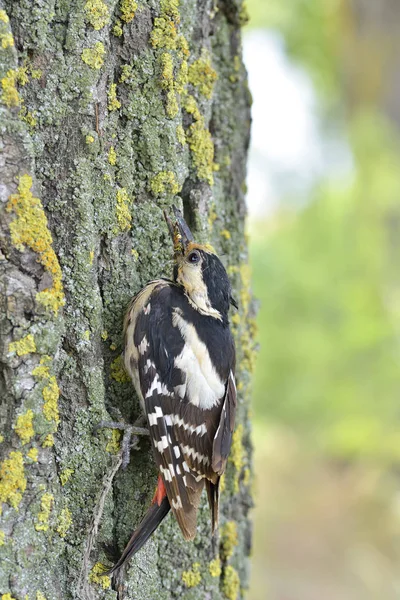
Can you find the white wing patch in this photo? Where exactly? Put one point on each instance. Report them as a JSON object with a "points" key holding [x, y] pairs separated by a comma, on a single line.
{"points": [[204, 387]]}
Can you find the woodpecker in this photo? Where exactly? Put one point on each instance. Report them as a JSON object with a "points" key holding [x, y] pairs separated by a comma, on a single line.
{"points": [[180, 355]]}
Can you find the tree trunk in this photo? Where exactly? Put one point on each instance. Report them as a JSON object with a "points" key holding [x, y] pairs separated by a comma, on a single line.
{"points": [[109, 110]]}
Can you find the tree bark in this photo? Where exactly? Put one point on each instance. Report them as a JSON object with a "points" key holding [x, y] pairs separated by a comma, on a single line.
{"points": [[109, 111]]}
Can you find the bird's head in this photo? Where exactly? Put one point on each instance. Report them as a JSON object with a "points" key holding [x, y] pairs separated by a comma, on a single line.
{"points": [[199, 271]]}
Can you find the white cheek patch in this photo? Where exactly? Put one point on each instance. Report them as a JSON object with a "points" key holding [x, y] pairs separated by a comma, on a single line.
{"points": [[191, 278], [204, 387]]}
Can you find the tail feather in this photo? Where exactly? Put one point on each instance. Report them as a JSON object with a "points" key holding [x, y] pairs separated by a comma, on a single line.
{"points": [[213, 501], [149, 524]]}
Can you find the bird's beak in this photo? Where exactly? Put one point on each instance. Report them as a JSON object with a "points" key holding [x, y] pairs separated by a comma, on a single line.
{"points": [[180, 232]]}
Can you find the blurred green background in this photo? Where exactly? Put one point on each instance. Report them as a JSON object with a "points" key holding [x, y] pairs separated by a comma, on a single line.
{"points": [[324, 224]]}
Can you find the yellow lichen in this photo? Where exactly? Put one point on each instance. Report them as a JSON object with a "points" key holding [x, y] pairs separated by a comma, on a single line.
{"points": [[171, 106], [126, 73], [96, 576], [2, 538], [28, 117], [33, 454], [24, 427], [202, 147], [117, 29], [91, 257], [50, 391], [164, 34], [202, 75], [12, 480], [164, 183], [97, 13], [29, 228], [10, 95], [36, 73], [180, 135], [7, 40], [122, 210], [40, 596], [65, 475], [46, 504], [114, 443], [94, 57], [135, 254], [104, 335], [229, 539], [113, 347], [193, 577], [1, 438], [118, 370], [237, 455], [4, 17], [64, 522], [48, 441], [167, 72], [86, 335], [215, 567], [113, 102], [25, 345], [225, 234], [128, 9], [112, 156], [7, 597], [89, 139], [230, 583]]}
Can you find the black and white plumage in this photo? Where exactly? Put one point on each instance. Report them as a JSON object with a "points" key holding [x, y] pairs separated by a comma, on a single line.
{"points": [[180, 355]]}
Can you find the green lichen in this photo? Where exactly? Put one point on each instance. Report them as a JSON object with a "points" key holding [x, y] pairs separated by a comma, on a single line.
{"points": [[24, 427], [97, 13], [50, 390], [229, 539], [128, 9], [25, 345], [12, 480], [118, 372], [29, 228], [215, 567], [94, 57], [230, 583], [64, 522], [234, 77], [43, 516], [192, 577], [165, 183], [122, 210], [66, 475], [112, 156], [10, 96], [33, 454], [96, 576], [113, 102], [202, 75]]}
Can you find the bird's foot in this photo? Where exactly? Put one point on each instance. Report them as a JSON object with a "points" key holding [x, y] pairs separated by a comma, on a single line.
{"points": [[130, 438]]}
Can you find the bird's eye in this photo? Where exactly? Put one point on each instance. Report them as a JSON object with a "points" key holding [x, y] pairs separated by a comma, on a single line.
{"points": [[194, 257]]}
